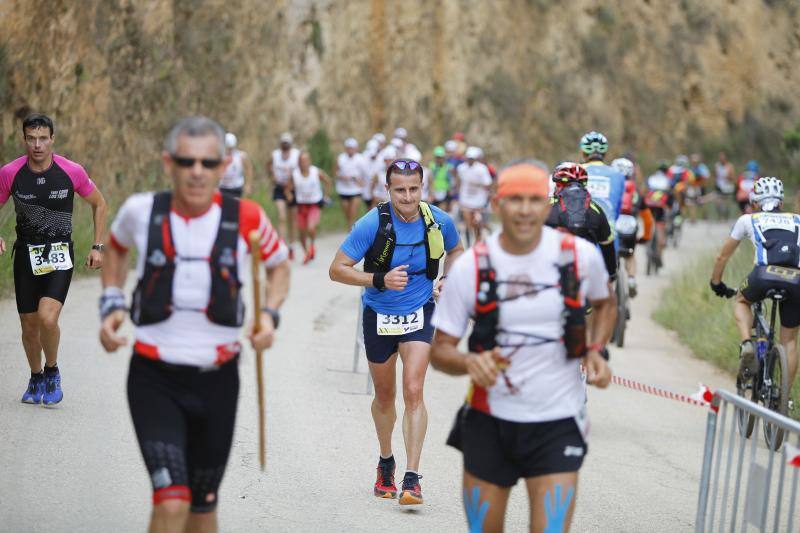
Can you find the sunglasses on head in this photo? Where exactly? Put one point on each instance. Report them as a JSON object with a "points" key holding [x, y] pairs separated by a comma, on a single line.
{"points": [[405, 164], [187, 162]]}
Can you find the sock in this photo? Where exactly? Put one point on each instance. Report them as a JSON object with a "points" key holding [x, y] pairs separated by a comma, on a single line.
{"points": [[37, 374], [51, 369], [387, 460], [412, 472]]}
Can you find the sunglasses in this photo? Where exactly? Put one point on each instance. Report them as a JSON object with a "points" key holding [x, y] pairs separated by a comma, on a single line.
{"points": [[187, 162], [405, 164]]}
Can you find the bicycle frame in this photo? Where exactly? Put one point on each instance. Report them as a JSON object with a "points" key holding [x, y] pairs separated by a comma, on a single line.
{"points": [[764, 340]]}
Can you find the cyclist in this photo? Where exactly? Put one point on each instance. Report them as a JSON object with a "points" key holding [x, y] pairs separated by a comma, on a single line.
{"points": [[350, 170], [774, 234], [442, 179], [660, 201], [574, 210], [43, 186], [306, 189], [474, 183], [682, 181], [401, 243], [280, 167], [744, 186], [183, 380], [524, 415], [606, 185], [239, 173], [633, 207]]}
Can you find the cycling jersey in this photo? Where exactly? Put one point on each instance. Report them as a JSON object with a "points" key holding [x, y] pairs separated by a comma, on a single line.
{"points": [[776, 237], [282, 167], [474, 182], [234, 174], [307, 189], [540, 383], [44, 200], [606, 185], [350, 177], [188, 337]]}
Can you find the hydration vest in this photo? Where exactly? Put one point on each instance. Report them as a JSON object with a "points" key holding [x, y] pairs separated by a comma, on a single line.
{"points": [[629, 198], [152, 298], [572, 203], [379, 257], [777, 237], [487, 308]]}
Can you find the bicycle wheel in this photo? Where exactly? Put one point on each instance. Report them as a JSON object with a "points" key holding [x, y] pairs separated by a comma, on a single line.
{"points": [[775, 396], [747, 389], [622, 308]]}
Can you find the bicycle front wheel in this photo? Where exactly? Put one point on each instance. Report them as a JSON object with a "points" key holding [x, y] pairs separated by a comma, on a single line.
{"points": [[775, 396]]}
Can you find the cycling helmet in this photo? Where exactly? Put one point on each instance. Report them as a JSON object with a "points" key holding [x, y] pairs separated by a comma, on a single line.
{"points": [[768, 193], [752, 165], [568, 172], [663, 165], [439, 151], [682, 161], [230, 140], [594, 143], [623, 165], [451, 146]]}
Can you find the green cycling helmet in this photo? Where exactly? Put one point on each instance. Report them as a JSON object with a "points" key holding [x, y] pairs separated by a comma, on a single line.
{"points": [[594, 143], [439, 151]]}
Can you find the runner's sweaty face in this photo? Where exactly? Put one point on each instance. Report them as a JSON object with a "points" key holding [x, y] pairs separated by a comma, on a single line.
{"points": [[194, 186], [38, 144], [405, 193], [522, 216], [304, 162]]}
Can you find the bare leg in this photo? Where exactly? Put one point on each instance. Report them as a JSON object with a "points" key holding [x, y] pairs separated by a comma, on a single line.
{"points": [[383, 411], [291, 225], [630, 265], [49, 332], [743, 316], [552, 501], [283, 220], [485, 504], [169, 517], [202, 523], [30, 340], [789, 342], [415, 356]]}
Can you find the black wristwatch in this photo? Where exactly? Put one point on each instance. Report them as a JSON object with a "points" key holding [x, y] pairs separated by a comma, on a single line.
{"points": [[99, 247], [276, 316]]}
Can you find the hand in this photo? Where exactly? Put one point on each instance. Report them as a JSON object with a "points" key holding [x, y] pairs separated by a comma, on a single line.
{"points": [[266, 333], [108, 331], [94, 260], [482, 368], [598, 373], [722, 290], [396, 279], [437, 287], [2, 246]]}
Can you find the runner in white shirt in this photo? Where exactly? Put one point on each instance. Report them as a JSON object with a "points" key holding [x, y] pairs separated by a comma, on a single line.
{"points": [[524, 413], [183, 381], [350, 170], [372, 164], [306, 186], [379, 192], [282, 163], [474, 184], [238, 175], [405, 148]]}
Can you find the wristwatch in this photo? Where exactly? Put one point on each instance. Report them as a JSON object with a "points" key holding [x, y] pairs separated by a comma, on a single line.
{"points": [[276, 316], [99, 247]]}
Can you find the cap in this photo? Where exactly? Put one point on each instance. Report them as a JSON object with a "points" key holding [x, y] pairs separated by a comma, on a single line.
{"points": [[400, 133], [350, 142], [473, 152], [458, 136], [523, 178], [389, 153], [372, 146], [380, 137], [451, 146], [286, 137], [230, 140], [397, 142], [439, 151]]}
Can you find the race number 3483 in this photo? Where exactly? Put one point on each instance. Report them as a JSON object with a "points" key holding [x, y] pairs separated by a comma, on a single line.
{"points": [[57, 259], [400, 324]]}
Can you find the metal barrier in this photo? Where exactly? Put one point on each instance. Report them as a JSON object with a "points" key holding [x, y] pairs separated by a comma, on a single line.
{"points": [[760, 508]]}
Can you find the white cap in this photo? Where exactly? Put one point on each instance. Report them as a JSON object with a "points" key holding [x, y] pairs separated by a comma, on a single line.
{"points": [[400, 133], [397, 142], [230, 140], [389, 153], [286, 137], [350, 142], [480, 152], [473, 152], [451, 145], [380, 137], [372, 146]]}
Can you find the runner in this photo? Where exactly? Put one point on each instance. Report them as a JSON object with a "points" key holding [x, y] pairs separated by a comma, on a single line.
{"points": [[408, 150], [373, 166], [606, 185], [442, 179], [43, 186], [305, 188], [401, 242], [524, 415], [350, 170], [744, 186], [238, 176], [724, 184], [183, 382], [774, 234], [379, 192], [281, 165], [474, 184]]}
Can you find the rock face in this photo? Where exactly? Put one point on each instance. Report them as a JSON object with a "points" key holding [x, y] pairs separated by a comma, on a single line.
{"points": [[519, 77]]}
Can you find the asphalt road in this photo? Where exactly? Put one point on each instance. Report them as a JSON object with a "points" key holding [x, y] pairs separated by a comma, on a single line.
{"points": [[77, 467]]}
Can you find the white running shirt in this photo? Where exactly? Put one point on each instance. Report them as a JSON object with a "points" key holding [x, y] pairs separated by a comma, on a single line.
{"points": [[307, 189], [550, 385], [351, 171], [282, 168], [234, 174], [473, 182]]}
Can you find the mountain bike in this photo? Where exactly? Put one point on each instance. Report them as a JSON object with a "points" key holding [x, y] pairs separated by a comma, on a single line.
{"points": [[673, 227], [770, 385], [654, 260], [622, 306]]}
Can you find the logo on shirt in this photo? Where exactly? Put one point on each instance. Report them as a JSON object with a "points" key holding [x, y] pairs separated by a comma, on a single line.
{"points": [[25, 196], [573, 451], [157, 259], [59, 194], [40, 181]]}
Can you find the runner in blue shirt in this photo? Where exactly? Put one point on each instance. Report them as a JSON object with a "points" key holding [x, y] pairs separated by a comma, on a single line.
{"points": [[401, 243]]}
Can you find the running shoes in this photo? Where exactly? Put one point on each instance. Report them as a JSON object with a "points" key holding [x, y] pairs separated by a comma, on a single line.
{"points": [[411, 493], [35, 389], [384, 486], [52, 387]]}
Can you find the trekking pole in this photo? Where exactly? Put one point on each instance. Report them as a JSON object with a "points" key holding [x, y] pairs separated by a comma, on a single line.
{"points": [[256, 268]]}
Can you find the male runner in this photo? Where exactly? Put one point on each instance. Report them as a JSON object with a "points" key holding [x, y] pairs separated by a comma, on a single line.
{"points": [[238, 177], [183, 382], [350, 171], [281, 165], [401, 242], [43, 186]]}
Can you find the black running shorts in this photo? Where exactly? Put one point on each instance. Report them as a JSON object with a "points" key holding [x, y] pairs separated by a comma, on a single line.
{"points": [[501, 452], [29, 289], [184, 418], [763, 278], [380, 348]]}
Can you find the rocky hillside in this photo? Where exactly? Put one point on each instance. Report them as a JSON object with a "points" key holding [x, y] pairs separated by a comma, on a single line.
{"points": [[518, 76]]}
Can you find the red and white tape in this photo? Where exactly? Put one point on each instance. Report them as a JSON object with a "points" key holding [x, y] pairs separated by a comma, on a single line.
{"points": [[702, 398]]}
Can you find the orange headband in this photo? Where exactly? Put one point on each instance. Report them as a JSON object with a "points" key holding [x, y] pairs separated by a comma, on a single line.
{"points": [[523, 179]]}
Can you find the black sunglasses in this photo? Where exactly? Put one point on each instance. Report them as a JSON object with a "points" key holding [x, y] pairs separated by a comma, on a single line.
{"points": [[187, 162]]}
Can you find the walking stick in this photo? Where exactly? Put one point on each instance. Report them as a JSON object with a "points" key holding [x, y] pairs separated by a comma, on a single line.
{"points": [[256, 268]]}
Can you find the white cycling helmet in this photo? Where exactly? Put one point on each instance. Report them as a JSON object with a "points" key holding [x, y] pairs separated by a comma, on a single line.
{"points": [[682, 161], [623, 165], [230, 140], [473, 152], [451, 146], [401, 133], [768, 193]]}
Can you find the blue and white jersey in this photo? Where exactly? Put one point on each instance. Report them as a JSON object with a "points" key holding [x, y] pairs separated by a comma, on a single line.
{"points": [[607, 186], [776, 237]]}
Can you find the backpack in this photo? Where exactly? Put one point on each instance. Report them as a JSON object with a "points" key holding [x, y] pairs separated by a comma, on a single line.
{"points": [[573, 203]]}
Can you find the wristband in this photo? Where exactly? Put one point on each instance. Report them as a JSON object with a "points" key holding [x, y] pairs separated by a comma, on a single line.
{"points": [[112, 299], [378, 280], [276, 316], [597, 347]]}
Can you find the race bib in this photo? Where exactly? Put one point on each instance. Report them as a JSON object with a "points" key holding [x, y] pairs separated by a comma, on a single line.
{"points": [[766, 222], [400, 324], [57, 260], [599, 187]]}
